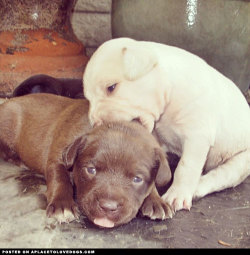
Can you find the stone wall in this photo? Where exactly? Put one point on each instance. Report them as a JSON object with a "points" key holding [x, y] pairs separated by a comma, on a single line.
{"points": [[91, 22]]}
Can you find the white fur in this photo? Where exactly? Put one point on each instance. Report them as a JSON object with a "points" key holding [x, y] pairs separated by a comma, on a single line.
{"points": [[195, 111]]}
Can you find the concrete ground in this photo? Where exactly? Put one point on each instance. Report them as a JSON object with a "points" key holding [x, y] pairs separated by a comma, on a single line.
{"points": [[219, 220]]}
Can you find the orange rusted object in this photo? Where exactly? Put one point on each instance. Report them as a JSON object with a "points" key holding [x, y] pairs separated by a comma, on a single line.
{"points": [[42, 43], [37, 51]]}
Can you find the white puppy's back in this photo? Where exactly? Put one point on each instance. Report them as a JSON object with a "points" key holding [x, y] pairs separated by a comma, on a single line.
{"points": [[216, 99]]}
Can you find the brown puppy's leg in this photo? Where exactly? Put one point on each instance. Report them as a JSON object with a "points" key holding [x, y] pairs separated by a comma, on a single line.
{"points": [[155, 207], [59, 193]]}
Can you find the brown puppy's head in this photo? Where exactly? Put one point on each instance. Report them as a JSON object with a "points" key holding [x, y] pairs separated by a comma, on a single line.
{"points": [[114, 171]]}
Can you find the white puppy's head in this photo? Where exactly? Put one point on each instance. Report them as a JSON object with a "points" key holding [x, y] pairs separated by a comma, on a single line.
{"points": [[120, 81]]}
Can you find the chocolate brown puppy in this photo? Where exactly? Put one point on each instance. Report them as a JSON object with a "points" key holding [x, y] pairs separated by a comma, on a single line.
{"points": [[115, 166]]}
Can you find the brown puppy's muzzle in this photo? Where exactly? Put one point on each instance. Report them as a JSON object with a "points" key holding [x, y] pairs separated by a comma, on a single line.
{"points": [[106, 210], [110, 207], [109, 210]]}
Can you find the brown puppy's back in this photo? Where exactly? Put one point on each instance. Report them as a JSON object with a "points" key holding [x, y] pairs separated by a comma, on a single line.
{"points": [[29, 127]]}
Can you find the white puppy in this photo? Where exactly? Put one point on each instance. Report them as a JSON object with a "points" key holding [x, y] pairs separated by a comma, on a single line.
{"points": [[195, 111]]}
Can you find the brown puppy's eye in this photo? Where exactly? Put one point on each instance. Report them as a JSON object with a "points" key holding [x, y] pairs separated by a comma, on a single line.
{"points": [[137, 179], [91, 170], [111, 88]]}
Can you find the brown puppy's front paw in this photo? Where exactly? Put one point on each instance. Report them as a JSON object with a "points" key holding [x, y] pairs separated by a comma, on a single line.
{"points": [[63, 210], [156, 208]]}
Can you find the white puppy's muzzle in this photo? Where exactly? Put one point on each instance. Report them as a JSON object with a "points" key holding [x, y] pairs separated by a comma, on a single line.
{"points": [[114, 111], [94, 120]]}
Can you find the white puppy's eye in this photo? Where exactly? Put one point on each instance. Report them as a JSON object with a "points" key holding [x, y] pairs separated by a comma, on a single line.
{"points": [[111, 88], [137, 179]]}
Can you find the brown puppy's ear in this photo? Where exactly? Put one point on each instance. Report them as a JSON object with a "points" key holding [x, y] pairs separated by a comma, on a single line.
{"points": [[163, 175], [137, 62], [70, 152]]}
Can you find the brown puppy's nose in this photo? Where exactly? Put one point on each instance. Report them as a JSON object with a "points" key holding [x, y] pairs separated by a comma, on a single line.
{"points": [[108, 205]]}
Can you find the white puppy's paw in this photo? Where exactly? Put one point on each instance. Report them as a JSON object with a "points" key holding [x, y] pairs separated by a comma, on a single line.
{"points": [[179, 198], [204, 186]]}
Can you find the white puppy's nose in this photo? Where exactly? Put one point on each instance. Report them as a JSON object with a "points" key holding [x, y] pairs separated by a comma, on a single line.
{"points": [[94, 120], [97, 123]]}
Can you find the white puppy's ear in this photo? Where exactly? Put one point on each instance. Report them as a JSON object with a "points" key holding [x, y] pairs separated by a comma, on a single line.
{"points": [[137, 62]]}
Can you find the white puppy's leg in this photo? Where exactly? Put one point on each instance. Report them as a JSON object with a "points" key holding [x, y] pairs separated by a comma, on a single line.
{"points": [[230, 174], [187, 174]]}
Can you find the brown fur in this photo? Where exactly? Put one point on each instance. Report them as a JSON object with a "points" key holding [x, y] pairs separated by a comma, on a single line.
{"points": [[52, 134]]}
